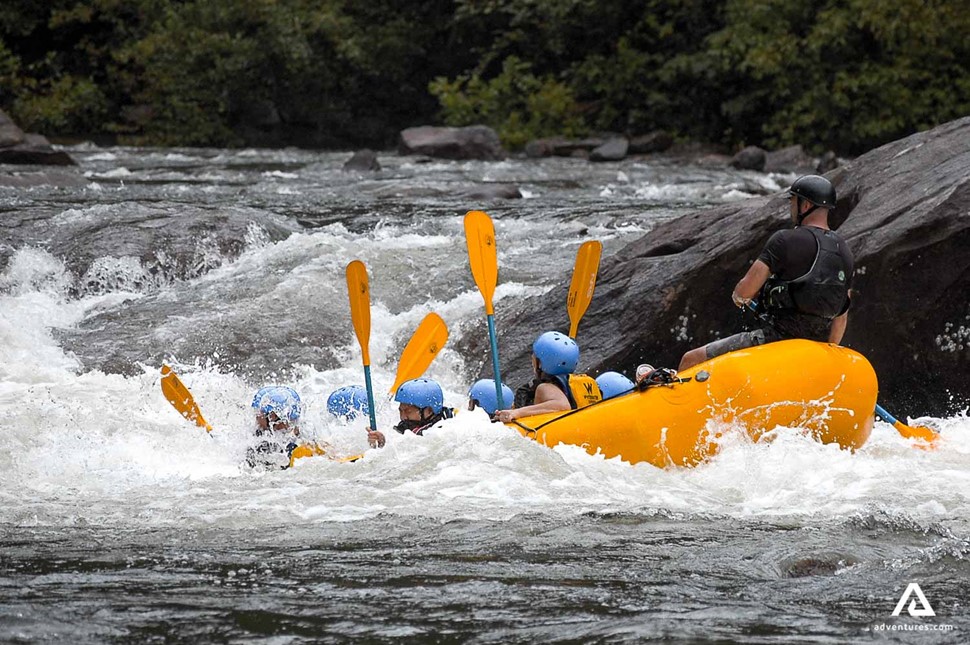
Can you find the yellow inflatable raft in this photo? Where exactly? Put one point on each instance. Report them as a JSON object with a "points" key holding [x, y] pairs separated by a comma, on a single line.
{"points": [[826, 389]]}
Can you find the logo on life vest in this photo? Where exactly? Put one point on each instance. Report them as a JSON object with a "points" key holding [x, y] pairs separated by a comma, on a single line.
{"points": [[925, 610]]}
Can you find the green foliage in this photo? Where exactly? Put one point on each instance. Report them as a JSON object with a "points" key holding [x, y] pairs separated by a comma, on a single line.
{"points": [[842, 74], [657, 76], [11, 79], [225, 72], [63, 104], [519, 105]]}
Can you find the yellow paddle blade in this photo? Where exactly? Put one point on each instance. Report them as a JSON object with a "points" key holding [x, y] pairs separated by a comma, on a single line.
{"points": [[480, 237], [428, 339], [922, 433], [307, 450], [583, 283], [358, 288], [348, 460], [181, 399], [318, 450]]}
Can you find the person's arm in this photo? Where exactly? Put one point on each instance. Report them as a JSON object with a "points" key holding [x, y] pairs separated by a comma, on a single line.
{"points": [[549, 398], [750, 285], [375, 438], [837, 330], [840, 322]]}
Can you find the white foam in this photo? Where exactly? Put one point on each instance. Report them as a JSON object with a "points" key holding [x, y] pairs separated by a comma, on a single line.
{"points": [[108, 449]]}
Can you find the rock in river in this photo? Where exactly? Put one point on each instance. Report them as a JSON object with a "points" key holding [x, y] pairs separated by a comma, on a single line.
{"points": [[904, 209]]}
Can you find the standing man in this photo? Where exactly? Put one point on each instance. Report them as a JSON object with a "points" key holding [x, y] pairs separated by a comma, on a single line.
{"points": [[803, 276]]}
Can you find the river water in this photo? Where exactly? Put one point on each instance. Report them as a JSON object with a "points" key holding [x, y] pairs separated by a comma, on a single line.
{"points": [[121, 522]]}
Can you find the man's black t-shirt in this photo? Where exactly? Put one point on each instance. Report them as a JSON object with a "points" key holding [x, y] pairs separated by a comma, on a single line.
{"points": [[790, 254]]}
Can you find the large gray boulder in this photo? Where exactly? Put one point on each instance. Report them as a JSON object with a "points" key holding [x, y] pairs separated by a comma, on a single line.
{"points": [[653, 142], [20, 148], [903, 209], [749, 158], [10, 133], [792, 159], [472, 142], [33, 151]]}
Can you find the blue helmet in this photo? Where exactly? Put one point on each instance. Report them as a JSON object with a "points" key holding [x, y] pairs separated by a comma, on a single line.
{"points": [[282, 400], [421, 393], [557, 353], [483, 393], [613, 384], [348, 401], [260, 393]]}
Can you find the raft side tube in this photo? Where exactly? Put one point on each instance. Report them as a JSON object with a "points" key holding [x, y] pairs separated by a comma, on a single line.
{"points": [[829, 390]]}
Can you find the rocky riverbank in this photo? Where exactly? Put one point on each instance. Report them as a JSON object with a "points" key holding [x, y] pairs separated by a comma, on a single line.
{"points": [[28, 159], [904, 210]]}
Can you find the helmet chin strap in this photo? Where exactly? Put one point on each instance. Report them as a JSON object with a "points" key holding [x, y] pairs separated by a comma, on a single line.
{"points": [[801, 215]]}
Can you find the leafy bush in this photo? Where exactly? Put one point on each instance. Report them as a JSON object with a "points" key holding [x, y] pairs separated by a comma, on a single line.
{"points": [[848, 74], [519, 105], [840, 74], [65, 104]]}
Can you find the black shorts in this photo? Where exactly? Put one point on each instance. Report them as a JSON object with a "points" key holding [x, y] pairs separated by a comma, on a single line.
{"points": [[741, 341]]}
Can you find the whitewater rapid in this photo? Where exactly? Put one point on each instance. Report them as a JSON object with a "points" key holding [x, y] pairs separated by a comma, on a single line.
{"points": [[87, 448], [120, 521]]}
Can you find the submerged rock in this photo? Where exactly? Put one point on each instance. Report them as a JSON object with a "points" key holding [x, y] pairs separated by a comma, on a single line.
{"points": [[612, 150], [563, 147], [903, 209], [484, 192], [362, 161], [68, 177]]}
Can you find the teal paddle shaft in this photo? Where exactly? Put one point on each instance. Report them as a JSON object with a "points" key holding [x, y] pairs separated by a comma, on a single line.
{"points": [[498, 377], [885, 416], [370, 398]]}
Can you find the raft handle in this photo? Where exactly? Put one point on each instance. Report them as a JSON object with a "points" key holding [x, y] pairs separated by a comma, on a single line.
{"points": [[661, 376], [524, 427]]}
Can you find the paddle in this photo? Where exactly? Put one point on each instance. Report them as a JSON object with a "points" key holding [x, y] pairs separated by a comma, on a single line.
{"points": [[181, 399], [427, 340], [480, 237], [358, 289], [919, 432], [583, 283]]}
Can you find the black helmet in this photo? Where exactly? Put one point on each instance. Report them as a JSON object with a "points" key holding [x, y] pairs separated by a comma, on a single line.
{"points": [[815, 189]]}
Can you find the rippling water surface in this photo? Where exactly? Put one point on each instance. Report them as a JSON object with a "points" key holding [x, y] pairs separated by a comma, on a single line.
{"points": [[121, 522]]}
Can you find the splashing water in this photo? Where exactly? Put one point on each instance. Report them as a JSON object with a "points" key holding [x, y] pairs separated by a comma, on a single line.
{"points": [[102, 481]]}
